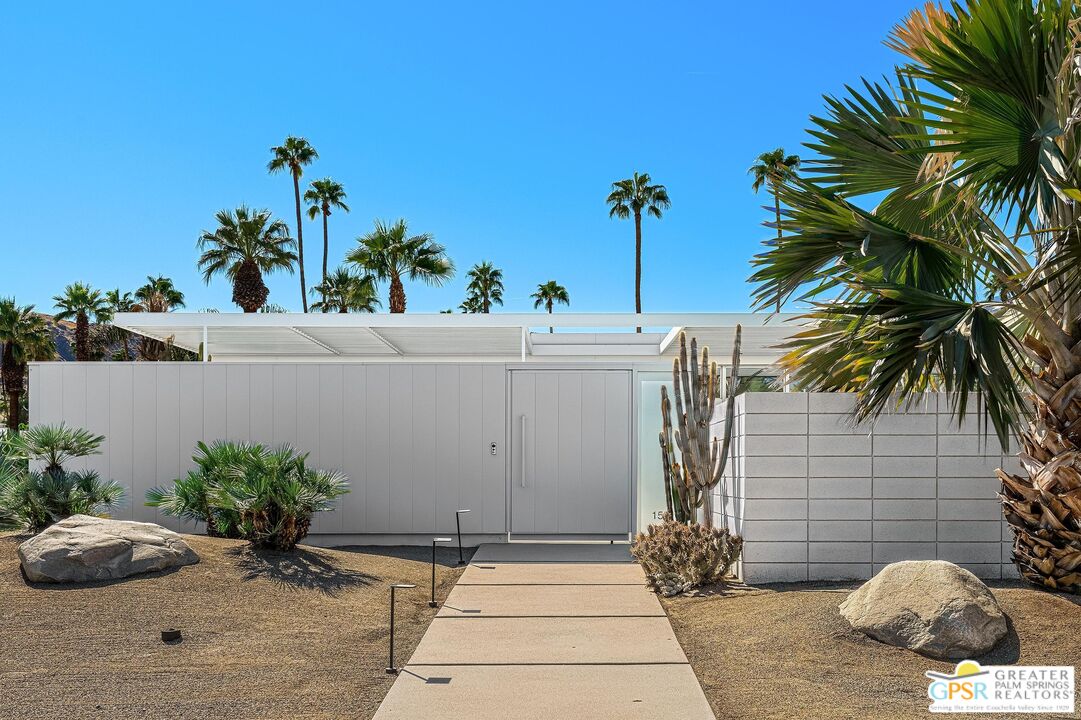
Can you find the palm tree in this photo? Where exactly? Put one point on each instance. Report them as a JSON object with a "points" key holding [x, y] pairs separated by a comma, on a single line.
{"points": [[344, 291], [246, 244], [80, 301], [293, 155], [120, 302], [548, 294], [485, 286], [771, 170], [471, 305], [324, 196], [631, 197], [159, 294], [390, 253], [24, 337], [963, 276]]}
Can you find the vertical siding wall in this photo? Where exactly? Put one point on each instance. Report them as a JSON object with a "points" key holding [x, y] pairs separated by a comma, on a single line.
{"points": [[819, 498], [413, 439]]}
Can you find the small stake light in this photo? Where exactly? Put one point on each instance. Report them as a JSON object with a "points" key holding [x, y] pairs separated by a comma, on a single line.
{"points": [[458, 522], [432, 602], [391, 669]]}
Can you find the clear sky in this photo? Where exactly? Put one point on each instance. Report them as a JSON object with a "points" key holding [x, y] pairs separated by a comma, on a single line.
{"points": [[496, 126]]}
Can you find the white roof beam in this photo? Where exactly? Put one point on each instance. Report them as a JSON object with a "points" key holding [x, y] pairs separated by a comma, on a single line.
{"points": [[386, 342], [669, 339], [308, 337]]}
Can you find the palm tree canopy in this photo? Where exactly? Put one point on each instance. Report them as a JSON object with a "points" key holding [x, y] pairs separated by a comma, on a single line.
{"points": [[323, 196], [346, 291], [550, 292], [636, 194], [81, 299], [390, 251], [485, 284], [159, 292], [245, 234], [24, 336], [773, 168], [292, 155], [964, 274]]}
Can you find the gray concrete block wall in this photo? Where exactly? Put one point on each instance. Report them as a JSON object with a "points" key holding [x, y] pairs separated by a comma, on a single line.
{"points": [[818, 497]]}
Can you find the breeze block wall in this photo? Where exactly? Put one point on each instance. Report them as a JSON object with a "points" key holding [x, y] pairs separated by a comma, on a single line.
{"points": [[818, 497]]}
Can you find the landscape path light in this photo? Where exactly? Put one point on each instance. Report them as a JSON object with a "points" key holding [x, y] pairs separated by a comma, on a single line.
{"points": [[458, 522], [432, 602], [398, 586]]}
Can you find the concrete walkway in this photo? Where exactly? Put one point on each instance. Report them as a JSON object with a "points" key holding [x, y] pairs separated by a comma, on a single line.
{"points": [[547, 632]]}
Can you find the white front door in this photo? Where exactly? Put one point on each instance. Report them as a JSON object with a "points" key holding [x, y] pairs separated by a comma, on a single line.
{"points": [[570, 452]]}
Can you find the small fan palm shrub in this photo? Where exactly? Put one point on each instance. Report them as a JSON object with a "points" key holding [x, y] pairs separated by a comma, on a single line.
{"points": [[189, 497], [33, 500], [264, 495]]}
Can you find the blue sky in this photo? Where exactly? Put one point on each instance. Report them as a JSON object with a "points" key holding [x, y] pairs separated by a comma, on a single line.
{"points": [[496, 126]]}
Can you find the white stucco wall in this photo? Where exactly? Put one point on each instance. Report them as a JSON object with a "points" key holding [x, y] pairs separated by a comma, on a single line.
{"points": [[817, 497]]}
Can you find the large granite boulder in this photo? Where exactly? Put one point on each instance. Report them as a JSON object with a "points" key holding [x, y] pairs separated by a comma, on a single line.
{"points": [[930, 606], [82, 548]]}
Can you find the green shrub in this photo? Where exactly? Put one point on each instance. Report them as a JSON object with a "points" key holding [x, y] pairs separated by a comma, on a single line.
{"points": [[32, 500], [266, 496], [677, 557]]}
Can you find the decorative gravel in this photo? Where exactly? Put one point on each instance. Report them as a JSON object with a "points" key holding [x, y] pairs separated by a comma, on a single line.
{"points": [[265, 635], [784, 651]]}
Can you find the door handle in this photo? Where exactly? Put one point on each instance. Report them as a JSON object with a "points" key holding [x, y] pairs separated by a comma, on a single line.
{"points": [[523, 451]]}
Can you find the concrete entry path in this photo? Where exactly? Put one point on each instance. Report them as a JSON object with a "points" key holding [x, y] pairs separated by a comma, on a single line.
{"points": [[549, 630]]}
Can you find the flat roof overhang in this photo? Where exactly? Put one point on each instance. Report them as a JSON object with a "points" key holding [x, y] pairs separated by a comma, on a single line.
{"points": [[460, 337]]}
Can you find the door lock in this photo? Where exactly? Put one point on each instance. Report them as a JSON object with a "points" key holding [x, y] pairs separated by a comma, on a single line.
{"points": [[491, 449]]}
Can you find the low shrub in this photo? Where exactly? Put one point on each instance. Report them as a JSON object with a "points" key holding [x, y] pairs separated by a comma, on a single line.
{"points": [[677, 556], [264, 495], [32, 500]]}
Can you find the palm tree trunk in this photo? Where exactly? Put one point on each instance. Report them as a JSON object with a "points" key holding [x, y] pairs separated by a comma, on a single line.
{"points": [[550, 328], [326, 249], [397, 294], [638, 265], [300, 243], [82, 337], [12, 377], [1044, 508], [777, 210]]}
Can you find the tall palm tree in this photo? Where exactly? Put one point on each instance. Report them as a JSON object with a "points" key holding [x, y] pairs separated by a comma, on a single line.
{"points": [[391, 253], [120, 302], [630, 197], [80, 302], [324, 196], [485, 286], [24, 337], [246, 244], [940, 243], [548, 294], [292, 156], [771, 170], [344, 291]]}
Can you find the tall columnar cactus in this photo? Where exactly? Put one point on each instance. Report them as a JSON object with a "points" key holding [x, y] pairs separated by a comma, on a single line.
{"points": [[688, 482]]}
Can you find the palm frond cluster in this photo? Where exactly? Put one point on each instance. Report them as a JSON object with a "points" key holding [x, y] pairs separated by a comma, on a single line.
{"points": [[245, 490], [936, 238], [32, 500]]}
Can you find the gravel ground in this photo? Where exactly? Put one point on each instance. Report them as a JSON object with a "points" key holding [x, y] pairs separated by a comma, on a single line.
{"points": [[784, 651], [266, 635]]}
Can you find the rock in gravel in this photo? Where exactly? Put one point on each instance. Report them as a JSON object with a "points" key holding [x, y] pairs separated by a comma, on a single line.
{"points": [[930, 606], [82, 548]]}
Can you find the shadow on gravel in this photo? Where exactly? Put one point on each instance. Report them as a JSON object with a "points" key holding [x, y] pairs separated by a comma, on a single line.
{"points": [[301, 569]]}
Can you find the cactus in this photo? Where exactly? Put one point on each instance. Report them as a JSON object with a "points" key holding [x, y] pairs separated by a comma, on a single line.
{"points": [[688, 482]]}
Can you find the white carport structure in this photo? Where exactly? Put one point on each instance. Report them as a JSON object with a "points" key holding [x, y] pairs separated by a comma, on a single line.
{"points": [[539, 434], [273, 337]]}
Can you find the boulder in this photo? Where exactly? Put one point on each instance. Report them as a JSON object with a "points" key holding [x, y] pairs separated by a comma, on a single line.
{"points": [[82, 548], [930, 606]]}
